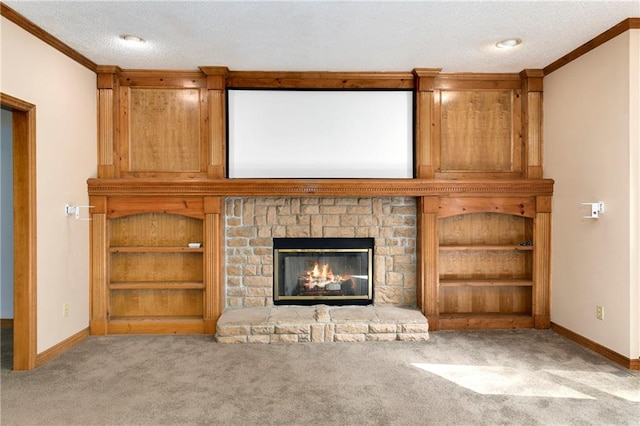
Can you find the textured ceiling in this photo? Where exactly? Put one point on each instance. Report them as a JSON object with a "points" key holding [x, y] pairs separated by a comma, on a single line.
{"points": [[457, 36]]}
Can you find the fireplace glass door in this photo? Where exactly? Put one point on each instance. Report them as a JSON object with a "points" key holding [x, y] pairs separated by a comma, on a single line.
{"points": [[333, 271]]}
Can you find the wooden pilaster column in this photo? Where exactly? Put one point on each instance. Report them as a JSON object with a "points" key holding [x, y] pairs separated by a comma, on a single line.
{"points": [[427, 280], [425, 126], [532, 121], [542, 263], [216, 86], [108, 128], [99, 287], [213, 253]]}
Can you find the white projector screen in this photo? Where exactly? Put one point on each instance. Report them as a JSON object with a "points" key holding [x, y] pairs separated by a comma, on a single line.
{"points": [[320, 134]]}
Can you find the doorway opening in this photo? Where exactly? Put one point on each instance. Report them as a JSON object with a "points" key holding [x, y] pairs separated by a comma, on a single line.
{"points": [[6, 239]]}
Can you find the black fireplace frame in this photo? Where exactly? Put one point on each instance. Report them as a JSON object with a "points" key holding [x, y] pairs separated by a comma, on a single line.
{"points": [[281, 246]]}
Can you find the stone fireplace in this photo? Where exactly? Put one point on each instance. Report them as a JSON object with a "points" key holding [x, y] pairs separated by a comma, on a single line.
{"points": [[252, 224]]}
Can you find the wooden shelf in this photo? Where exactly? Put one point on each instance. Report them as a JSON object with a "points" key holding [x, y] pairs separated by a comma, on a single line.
{"points": [[184, 318], [474, 282], [155, 282], [493, 247], [156, 325], [156, 285], [147, 249], [485, 275], [484, 321]]}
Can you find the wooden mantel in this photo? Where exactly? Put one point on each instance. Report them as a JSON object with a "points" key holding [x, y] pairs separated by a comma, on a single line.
{"points": [[319, 187]]}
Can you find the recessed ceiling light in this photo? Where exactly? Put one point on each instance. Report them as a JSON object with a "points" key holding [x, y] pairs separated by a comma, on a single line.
{"points": [[508, 43], [132, 39]]}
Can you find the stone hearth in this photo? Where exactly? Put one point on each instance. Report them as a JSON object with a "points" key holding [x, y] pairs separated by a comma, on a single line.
{"points": [[321, 323]]}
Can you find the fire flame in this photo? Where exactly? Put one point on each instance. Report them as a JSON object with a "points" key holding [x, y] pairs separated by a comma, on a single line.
{"points": [[326, 272], [321, 275]]}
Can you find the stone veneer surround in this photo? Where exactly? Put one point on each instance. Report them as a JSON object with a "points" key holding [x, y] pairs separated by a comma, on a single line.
{"points": [[252, 223]]}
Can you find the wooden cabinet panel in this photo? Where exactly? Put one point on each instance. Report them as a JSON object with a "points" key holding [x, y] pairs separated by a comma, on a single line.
{"points": [[164, 130], [478, 131], [477, 126]]}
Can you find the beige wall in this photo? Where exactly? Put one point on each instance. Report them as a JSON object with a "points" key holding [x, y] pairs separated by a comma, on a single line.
{"points": [[64, 93], [591, 150]]}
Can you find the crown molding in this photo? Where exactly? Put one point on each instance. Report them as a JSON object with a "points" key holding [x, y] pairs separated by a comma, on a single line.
{"points": [[319, 79], [38, 32], [626, 25]]}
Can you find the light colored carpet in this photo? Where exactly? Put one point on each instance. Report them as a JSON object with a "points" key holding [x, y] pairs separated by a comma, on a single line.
{"points": [[520, 377]]}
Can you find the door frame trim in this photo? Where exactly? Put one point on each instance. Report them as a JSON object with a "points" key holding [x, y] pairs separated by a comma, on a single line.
{"points": [[24, 231]]}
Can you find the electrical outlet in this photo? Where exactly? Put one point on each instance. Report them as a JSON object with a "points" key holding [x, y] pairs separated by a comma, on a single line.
{"points": [[600, 312], [65, 310]]}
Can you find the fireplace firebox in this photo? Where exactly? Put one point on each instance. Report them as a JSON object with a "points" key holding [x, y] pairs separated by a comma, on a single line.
{"points": [[332, 271]]}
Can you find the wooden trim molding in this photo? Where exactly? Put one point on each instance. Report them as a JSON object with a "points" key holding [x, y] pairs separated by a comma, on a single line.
{"points": [[632, 364], [626, 25], [214, 288], [541, 269], [6, 323], [185, 206], [518, 206], [98, 289], [61, 347], [427, 268], [319, 187], [38, 32], [425, 122], [477, 81], [162, 78], [320, 80], [532, 88]]}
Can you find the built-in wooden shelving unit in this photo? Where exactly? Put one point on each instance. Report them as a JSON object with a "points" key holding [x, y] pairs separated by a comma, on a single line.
{"points": [[483, 206]]}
